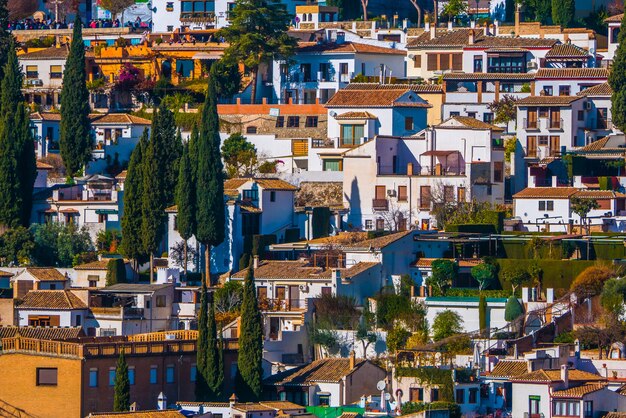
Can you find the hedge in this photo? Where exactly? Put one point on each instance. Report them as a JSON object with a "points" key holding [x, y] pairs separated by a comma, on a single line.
{"points": [[557, 274], [472, 228], [415, 407]]}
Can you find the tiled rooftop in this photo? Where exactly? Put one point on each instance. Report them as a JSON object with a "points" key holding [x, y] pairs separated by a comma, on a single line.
{"points": [[566, 51], [563, 73], [300, 269], [379, 242], [51, 299], [346, 48], [42, 333], [328, 370], [547, 101], [372, 98], [579, 391], [46, 274], [548, 376], [603, 89], [508, 368]]}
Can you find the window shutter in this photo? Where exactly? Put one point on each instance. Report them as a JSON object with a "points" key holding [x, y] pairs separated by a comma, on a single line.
{"points": [[432, 62], [457, 61]]}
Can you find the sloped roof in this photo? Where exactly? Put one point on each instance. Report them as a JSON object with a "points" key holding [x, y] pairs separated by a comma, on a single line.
{"points": [[42, 333], [468, 122], [51, 299], [489, 76], [548, 376], [94, 265], [328, 370], [566, 193], [265, 183], [379, 242], [603, 89], [509, 368], [615, 18], [52, 53], [579, 391], [300, 269], [46, 274], [562, 73], [547, 100], [372, 98], [418, 88], [566, 51], [138, 414], [117, 118], [347, 48], [356, 115]]}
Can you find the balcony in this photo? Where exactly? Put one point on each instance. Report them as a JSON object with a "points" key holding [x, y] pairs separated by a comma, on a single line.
{"points": [[281, 305], [555, 124], [530, 125], [380, 204], [117, 312]]}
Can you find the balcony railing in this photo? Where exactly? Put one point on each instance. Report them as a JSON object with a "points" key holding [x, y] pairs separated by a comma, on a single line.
{"points": [[380, 204], [281, 305], [556, 124], [530, 124]]}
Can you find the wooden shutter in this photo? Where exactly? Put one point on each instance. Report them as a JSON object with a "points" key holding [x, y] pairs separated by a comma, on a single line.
{"points": [[457, 61], [402, 194], [425, 197], [444, 62], [417, 61], [381, 192], [300, 147], [55, 320], [432, 62]]}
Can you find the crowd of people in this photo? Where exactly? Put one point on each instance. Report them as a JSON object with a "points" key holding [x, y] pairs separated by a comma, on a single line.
{"points": [[37, 24]]}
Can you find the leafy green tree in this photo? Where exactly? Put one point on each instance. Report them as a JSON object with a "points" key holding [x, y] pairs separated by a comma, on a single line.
{"points": [[11, 82], [116, 271], [202, 389], [563, 12], [582, 207], [16, 247], [590, 281], [482, 316], [538, 10], [446, 324], [339, 311], [613, 296], [513, 309], [397, 338], [59, 245], [116, 6], [240, 157], [24, 143], [484, 274], [617, 81], [323, 335], [516, 276], [504, 110], [444, 272], [249, 369], [227, 78], [132, 245], [210, 218], [257, 34], [186, 202], [75, 140], [454, 8], [228, 298], [121, 395]]}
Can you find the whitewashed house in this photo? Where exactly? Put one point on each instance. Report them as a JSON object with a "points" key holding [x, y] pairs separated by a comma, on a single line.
{"points": [[613, 23], [37, 278], [43, 75], [568, 81], [93, 274], [45, 308]]}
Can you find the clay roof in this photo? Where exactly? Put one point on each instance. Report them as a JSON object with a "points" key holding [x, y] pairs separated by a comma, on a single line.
{"points": [[45, 116], [598, 194], [94, 265], [471, 123], [566, 51], [138, 414], [6, 274], [579, 391], [418, 88], [328, 370], [117, 118], [43, 166], [596, 145], [51, 299], [566, 193], [615, 18], [460, 38], [489, 76], [350, 415], [562, 73], [501, 41], [346, 48], [603, 89], [46, 54], [380, 242], [300, 269], [252, 407], [122, 175], [615, 415], [45, 274], [265, 183], [547, 100], [508, 368], [281, 405], [427, 262], [42, 333], [373, 98], [356, 115], [555, 376]]}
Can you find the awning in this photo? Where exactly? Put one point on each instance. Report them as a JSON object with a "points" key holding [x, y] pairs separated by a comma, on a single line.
{"points": [[49, 211], [106, 211], [206, 56], [69, 211], [437, 153]]}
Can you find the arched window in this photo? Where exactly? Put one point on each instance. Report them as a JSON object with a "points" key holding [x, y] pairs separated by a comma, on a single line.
{"points": [[251, 130], [304, 17], [310, 17]]}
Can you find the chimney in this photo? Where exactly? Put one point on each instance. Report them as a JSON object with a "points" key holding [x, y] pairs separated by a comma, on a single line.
{"points": [[409, 169], [470, 41], [162, 402], [336, 275], [255, 262], [352, 359], [550, 295], [426, 26], [565, 375], [486, 30], [232, 400], [433, 32], [133, 407], [449, 25], [577, 348], [518, 7]]}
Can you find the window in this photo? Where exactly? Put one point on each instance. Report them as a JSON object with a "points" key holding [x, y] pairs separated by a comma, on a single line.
{"points": [[478, 64], [332, 164], [261, 292], [402, 194], [280, 121], [293, 121], [488, 117], [169, 374], [112, 377], [56, 71], [324, 400], [193, 373], [380, 224], [542, 205], [32, 71], [343, 68], [434, 394], [281, 292], [564, 90], [550, 205], [369, 224], [272, 196], [408, 123], [543, 140], [79, 320], [566, 408], [602, 122], [548, 90], [251, 195], [588, 409], [581, 115], [327, 291], [311, 122], [460, 396], [425, 197], [543, 112], [161, 301], [351, 135], [471, 115], [453, 114], [153, 375], [131, 375], [416, 394], [448, 194], [93, 378], [473, 395], [47, 376], [498, 171], [506, 63], [251, 130], [533, 404], [460, 194]]}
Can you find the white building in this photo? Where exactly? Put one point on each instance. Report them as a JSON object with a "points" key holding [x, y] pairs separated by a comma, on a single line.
{"points": [[43, 75], [37, 278], [45, 308], [568, 81], [93, 274], [613, 23]]}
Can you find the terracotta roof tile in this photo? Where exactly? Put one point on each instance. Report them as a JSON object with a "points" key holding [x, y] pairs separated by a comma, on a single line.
{"points": [[51, 299], [117, 118], [51, 53], [418, 88], [460, 38], [427, 262], [325, 370], [43, 166], [252, 407], [508, 368], [138, 414], [547, 100], [42, 333], [566, 51], [300, 269], [489, 76], [281, 405], [603, 89], [347, 48], [380, 242], [468, 122], [356, 115], [122, 175], [615, 18], [563, 73], [579, 391], [265, 183], [94, 265], [45, 274], [565, 193], [45, 116], [373, 98], [555, 376]]}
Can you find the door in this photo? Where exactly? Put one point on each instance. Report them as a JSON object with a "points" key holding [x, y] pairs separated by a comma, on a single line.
{"points": [[294, 296], [280, 293], [555, 145], [531, 150], [261, 293], [532, 118], [381, 192], [555, 119]]}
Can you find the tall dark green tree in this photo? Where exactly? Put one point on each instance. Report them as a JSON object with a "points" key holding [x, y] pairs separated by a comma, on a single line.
{"points": [[10, 196], [121, 395], [132, 244], [563, 12], [5, 36], [257, 34], [186, 201], [75, 141], [617, 81], [11, 82], [203, 391], [249, 361], [227, 78], [24, 144], [538, 10], [116, 271], [213, 355], [210, 218]]}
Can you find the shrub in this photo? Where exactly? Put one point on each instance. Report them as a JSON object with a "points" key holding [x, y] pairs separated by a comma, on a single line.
{"points": [[116, 271], [446, 324], [513, 309], [339, 312], [589, 283]]}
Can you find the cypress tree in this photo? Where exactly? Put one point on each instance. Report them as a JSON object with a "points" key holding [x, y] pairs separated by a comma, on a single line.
{"points": [[250, 372], [12, 81], [10, 193], [617, 81], [151, 203], [5, 36], [116, 271], [132, 245], [121, 397], [26, 161], [75, 141], [186, 201], [213, 356], [210, 218], [202, 389], [563, 12]]}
